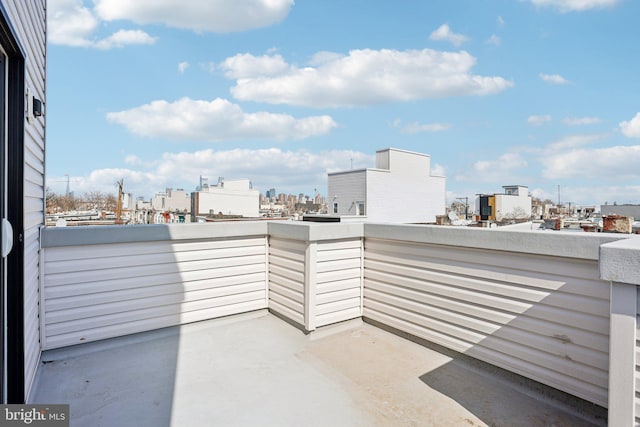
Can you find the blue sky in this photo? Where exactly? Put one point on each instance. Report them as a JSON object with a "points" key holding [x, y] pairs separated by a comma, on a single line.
{"points": [[531, 92]]}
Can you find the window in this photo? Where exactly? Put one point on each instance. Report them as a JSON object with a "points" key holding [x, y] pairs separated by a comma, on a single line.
{"points": [[360, 208], [335, 207]]}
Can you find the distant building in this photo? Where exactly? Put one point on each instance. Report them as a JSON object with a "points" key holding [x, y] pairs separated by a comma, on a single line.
{"points": [[622, 210], [514, 203], [226, 198], [171, 201], [400, 189]]}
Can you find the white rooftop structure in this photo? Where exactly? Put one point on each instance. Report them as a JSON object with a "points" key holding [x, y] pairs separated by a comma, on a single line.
{"points": [[229, 197], [400, 189]]}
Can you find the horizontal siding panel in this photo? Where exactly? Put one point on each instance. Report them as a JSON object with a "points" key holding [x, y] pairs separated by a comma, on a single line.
{"points": [[336, 306], [343, 294], [338, 316], [129, 260], [147, 270], [539, 310], [286, 264], [147, 324], [339, 245], [479, 331], [150, 283], [111, 297], [342, 264], [572, 385], [287, 292], [559, 331], [287, 245], [283, 300], [325, 255], [542, 271], [327, 277], [539, 316], [288, 255], [132, 311], [338, 285], [295, 276], [223, 276], [285, 311], [70, 253]]}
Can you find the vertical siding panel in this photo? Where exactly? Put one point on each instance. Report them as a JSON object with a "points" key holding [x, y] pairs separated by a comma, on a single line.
{"points": [[637, 372], [28, 19]]}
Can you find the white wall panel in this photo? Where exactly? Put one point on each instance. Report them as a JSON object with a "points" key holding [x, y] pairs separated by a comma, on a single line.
{"points": [[287, 278], [540, 316], [338, 281], [104, 290], [28, 21]]}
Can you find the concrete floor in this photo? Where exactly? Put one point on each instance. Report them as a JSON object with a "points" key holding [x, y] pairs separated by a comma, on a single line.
{"points": [[256, 370]]}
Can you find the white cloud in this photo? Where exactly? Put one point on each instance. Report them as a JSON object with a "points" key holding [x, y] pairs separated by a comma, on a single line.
{"points": [[70, 23], [539, 120], [574, 141], [505, 162], [122, 38], [182, 67], [615, 163], [500, 21], [415, 127], [541, 194], [266, 168], [579, 121], [576, 5], [220, 16], [245, 66], [443, 32], [363, 77], [507, 167], [438, 170], [495, 40], [216, 120], [555, 79], [631, 128]]}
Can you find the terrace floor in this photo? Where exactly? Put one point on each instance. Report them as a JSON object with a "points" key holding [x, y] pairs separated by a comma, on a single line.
{"points": [[257, 370]]}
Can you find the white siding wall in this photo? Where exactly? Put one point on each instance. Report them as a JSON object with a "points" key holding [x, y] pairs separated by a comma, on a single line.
{"points": [[28, 20], [350, 187], [394, 198], [229, 202], [540, 316], [512, 206], [287, 278], [338, 283], [637, 371], [100, 291]]}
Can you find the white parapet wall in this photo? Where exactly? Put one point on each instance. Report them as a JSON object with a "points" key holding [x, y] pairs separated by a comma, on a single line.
{"points": [[620, 264], [315, 272], [559, 308], [103, 282], [531, 303]]}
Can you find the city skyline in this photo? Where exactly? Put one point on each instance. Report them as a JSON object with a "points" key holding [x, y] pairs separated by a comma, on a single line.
{"points": [[533, 92]]}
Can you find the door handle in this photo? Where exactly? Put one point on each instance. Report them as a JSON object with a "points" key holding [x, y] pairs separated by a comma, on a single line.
{"points": [[7, 237]]}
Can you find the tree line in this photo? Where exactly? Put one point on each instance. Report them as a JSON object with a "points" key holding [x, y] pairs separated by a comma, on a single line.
{"points": [[90, 201]]}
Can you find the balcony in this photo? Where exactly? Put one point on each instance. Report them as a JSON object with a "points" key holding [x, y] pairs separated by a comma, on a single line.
{"points": [[337, 324]]}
